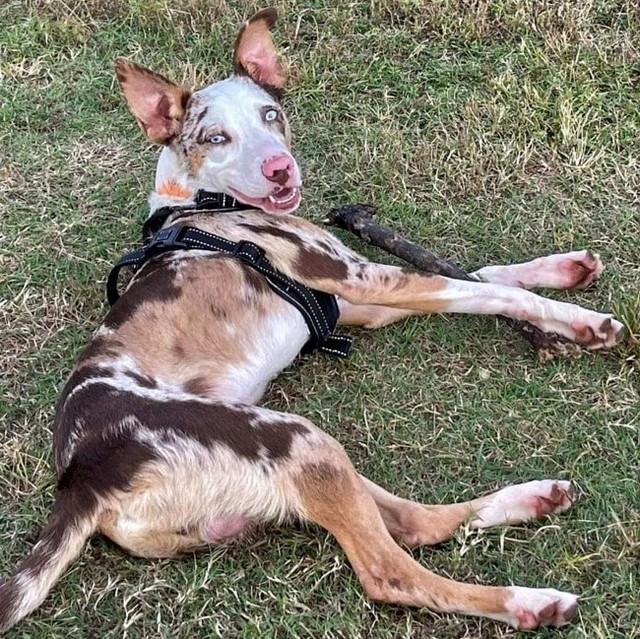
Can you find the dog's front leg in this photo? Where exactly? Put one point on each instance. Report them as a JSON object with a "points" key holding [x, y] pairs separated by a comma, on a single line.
{"points": [[577, 269], [366, 283], [370, 315]]}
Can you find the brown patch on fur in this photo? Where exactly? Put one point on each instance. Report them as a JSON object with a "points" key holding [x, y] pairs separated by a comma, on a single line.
{"points": [[256, 282], [156, 286], [197, 386], [195, 159], [219, 311], [103, 465], [81, 374], [102, 407], [143, 380], [274, 231], [179, 351], [202, 115], [395, 583], [172, 188], [100, 347], [325, 246], [312, 264]]}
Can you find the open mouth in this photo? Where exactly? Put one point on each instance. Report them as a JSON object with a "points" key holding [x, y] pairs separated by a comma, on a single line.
{"points": [[283, 200], [284, 196]]}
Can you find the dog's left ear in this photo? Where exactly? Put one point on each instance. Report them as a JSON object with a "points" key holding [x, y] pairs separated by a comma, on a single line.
{"points": [[255, 55], [158, 104]]}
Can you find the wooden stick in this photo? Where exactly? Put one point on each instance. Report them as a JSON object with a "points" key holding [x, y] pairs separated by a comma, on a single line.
{"points": [[358, 219]]}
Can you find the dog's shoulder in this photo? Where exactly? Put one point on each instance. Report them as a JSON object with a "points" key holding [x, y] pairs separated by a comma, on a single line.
{"points": [[293, 245]]}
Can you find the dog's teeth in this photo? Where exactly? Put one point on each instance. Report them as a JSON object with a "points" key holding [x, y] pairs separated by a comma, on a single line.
{"points": [[283, 200]]}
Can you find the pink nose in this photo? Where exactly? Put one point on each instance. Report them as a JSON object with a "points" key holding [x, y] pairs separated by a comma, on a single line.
{"points": [[278, 168]]}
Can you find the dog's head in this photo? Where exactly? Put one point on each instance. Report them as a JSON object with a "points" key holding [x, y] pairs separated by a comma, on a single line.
{"points": [[231, 136]]}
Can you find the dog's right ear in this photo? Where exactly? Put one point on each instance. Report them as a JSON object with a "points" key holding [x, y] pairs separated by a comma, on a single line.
{"points": [[158, 104]]}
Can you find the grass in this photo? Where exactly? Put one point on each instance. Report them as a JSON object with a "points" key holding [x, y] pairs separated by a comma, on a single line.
{"points": [[491, 131]]}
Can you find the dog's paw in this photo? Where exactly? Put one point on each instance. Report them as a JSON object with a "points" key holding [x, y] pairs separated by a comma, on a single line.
{"points": [[590, 329], [529, 608], [564, 271], [578, 269], [523, 502], [594, 335]]}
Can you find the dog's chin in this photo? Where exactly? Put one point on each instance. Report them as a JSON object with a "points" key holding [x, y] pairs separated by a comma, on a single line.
{"points": [[285, 201]]}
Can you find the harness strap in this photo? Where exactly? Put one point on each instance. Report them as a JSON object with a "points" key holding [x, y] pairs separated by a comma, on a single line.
{"points": [[319, 309], [203, 201]]}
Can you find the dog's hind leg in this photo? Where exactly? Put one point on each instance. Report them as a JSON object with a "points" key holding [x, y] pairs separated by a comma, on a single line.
{"points": [[416, 524], [333, 495]]}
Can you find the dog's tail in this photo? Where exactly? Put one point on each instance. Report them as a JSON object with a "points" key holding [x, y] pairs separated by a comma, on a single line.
{"points": [[72, 522]]}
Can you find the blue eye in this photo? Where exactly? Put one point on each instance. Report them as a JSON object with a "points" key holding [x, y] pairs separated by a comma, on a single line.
{"points": [[217, 139], [271, 115]]}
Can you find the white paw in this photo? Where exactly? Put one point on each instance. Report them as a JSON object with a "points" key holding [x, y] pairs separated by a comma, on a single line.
{"points": [[522, 502], [577, 269], [598, 335], [529, 608], [587, 328]]}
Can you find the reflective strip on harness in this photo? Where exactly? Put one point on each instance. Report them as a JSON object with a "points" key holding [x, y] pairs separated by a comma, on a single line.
{"points": [[319, 310], [202, 201]]}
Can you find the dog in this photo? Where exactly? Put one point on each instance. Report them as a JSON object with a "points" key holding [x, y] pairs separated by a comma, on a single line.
{"points": [[158, 442]]}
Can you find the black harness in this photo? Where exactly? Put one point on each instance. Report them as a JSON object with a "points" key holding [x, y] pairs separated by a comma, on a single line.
{"points": [[203, 201], [319, 309]]}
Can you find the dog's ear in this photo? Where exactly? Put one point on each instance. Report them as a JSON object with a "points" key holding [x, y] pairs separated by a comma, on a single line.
{"points": [[255, 55], [158, 104]]}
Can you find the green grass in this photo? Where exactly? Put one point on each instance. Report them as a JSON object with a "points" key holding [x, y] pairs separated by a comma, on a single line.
{"points": [[490, 131]]}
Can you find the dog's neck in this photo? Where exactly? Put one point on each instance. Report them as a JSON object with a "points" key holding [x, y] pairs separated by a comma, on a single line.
{"points": [[172, 185]]}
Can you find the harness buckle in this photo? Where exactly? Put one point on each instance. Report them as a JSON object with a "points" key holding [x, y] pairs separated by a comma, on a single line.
{"points": [[248, 252], [165, 240]]}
